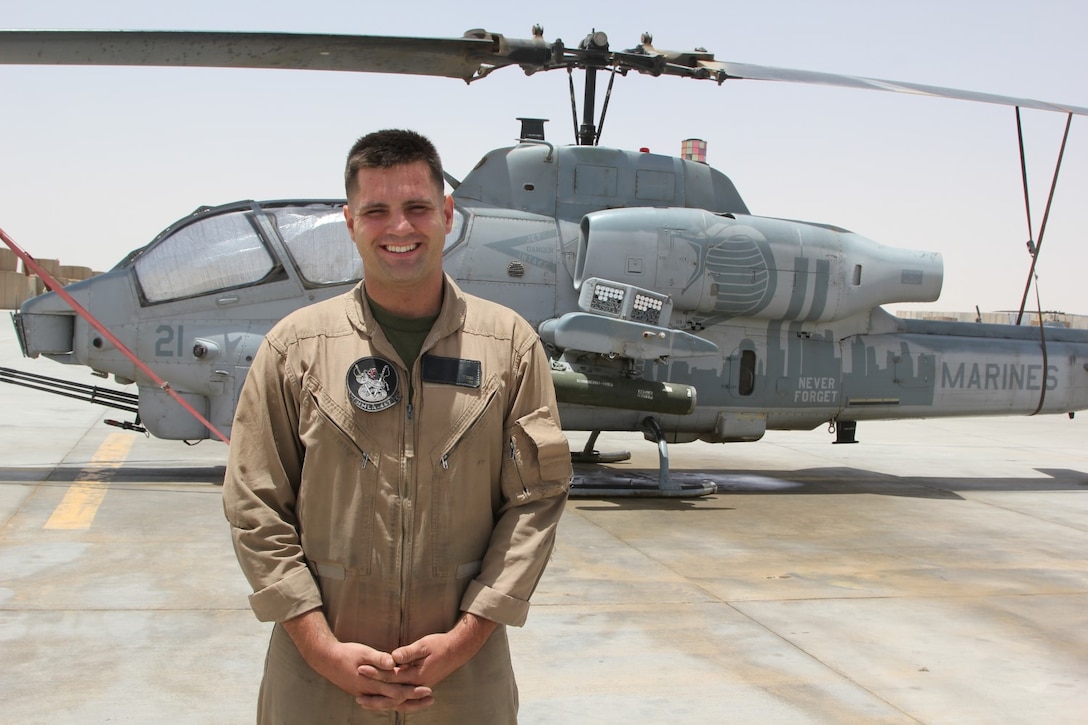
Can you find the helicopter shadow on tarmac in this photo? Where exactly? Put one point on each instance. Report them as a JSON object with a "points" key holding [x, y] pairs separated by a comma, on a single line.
{"points": [[134, 474], [810, 481], [815, 481]]}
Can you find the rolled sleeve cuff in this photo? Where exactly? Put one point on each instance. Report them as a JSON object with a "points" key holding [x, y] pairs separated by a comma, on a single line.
{"points": [[491, 604], [295, 594]]}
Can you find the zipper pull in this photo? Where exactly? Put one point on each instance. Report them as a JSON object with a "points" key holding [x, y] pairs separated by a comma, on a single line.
{"points": [[409, 411], [513, 450], [446, 462], [366, 460]]}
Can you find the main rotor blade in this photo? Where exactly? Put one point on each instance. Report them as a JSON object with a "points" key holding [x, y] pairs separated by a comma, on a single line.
{"points": [[767, 73], [449, 57], [470, 57]]}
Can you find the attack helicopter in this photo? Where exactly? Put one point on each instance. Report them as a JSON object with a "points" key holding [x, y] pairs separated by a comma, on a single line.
{"points": [[666, 307]]}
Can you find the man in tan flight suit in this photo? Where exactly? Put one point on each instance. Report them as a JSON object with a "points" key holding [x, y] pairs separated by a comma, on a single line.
{"points": [[396, 474]]}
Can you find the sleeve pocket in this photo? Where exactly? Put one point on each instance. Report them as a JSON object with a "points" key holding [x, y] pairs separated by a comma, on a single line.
{"points": [[540, 454]]}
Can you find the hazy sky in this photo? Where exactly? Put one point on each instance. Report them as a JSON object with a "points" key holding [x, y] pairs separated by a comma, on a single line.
{"points": [[96, 161]]}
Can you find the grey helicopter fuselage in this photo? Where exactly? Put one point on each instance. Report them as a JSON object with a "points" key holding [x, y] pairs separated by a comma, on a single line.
{"points": [[654, 289]]}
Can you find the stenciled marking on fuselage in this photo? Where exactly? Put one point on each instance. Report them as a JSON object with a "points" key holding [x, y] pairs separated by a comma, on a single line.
{"points": [[526, 247], [816, 390], [168, 341], [998, 376]]}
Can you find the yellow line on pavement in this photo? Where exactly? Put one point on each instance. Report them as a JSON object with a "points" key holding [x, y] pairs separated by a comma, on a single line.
{"points": [[80, 503]]}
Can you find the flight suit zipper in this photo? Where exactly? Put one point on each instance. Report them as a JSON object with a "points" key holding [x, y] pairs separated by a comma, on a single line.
{"points": [[405, 490], [407, 515]]}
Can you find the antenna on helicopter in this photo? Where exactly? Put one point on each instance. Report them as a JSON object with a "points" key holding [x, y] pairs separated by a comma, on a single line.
{"points": [[693, 149], [532, 129]]}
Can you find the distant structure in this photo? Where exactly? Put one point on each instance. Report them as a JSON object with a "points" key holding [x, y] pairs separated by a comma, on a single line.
{"points": [[1050, 319], [18, 284]]}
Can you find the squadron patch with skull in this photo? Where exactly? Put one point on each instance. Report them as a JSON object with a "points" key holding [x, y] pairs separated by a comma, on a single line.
{"points": [[373, 384]]}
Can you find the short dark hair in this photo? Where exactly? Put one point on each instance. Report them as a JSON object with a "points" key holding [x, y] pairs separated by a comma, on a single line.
{"points": [[391, 147]]}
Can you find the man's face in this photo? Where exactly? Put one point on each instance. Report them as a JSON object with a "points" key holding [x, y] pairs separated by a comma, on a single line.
{"points": [[399, 219]]}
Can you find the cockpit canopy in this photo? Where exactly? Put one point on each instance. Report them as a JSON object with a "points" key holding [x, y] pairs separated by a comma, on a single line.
{"points": [[237, 245]]}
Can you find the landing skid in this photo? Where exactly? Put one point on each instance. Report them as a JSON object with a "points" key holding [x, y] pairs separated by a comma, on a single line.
{"points": [[626, 485]]}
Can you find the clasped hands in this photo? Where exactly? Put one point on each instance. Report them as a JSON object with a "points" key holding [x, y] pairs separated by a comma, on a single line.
{"points": [[402, 680]]}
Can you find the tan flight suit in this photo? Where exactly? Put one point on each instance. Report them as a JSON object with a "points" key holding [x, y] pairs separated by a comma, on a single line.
{"points": [[395, 499]]}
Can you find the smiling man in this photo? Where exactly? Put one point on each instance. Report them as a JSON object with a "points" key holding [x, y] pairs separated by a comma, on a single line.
{"points": [[399, 219], [396, 474]]}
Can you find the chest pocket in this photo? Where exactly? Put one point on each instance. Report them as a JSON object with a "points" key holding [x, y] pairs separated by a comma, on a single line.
{"points": [[465, 466], [340, 478]]}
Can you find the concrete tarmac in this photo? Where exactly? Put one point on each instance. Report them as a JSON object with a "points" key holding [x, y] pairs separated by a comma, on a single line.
{"points": [[933, 573]]}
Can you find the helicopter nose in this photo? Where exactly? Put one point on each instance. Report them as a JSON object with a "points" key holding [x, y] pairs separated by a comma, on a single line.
{"points": [[45, 325]]}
